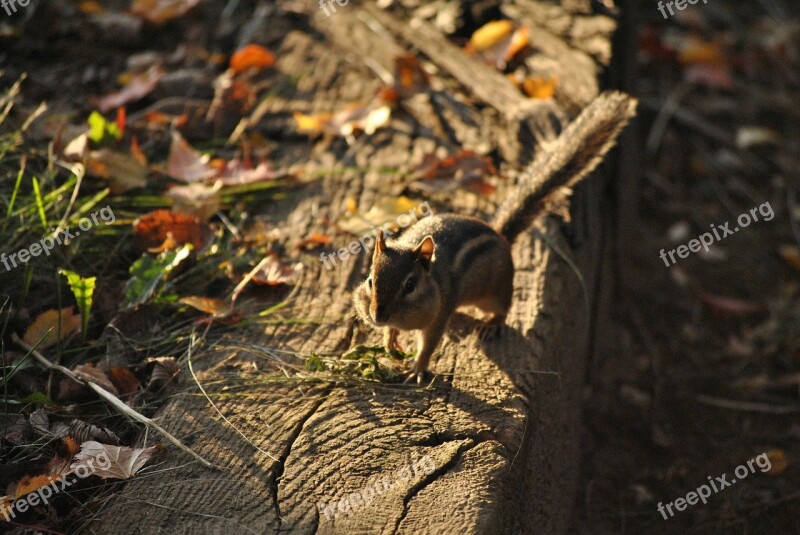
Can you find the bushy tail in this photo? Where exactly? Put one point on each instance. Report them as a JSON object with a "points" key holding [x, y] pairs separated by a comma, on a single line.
{"points": [[573, 155]]}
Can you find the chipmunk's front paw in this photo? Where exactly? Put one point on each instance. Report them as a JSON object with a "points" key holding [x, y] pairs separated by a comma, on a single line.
{"points": [[489, 331], [419, 373]]}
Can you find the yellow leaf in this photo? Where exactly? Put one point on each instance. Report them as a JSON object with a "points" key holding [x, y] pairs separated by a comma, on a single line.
{"points": [[490, 34], [778, 462], [540, 88], [48, 321]]}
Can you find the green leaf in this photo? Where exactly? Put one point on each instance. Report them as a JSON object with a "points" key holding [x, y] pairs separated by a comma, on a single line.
{"points": [[83, 289], [148, 272], [102, 132], [38, 397]]}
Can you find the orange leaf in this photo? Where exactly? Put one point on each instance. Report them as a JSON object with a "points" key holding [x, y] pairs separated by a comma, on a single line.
{"points": [[152, 230], [125, 381], [540, 88], [29, 484], [159, 11], [313, 241], [207, 305], [778, 462], [251, 57], [49, 321]]}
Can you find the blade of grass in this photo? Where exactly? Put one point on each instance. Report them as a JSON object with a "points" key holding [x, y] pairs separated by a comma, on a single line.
{"points": [[14, 193], [37, 195]]}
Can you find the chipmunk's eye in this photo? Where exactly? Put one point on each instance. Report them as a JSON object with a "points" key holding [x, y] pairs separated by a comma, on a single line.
{"points": [[369, 282], [409, 286]]}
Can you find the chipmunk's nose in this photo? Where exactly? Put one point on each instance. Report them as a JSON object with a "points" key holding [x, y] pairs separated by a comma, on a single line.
{"points": [[380, 314]]}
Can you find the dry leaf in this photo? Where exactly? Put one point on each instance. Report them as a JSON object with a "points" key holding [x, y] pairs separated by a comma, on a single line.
{"points": [[409, 76], [159, 11], [540, 88], [207, 305], [139, 86], [165, 370], [123, 171], [314, 241], [186, 164], [127, 384], [497, 42], [198, 200], [88, 372], [251, 57], [123, 462], [80, 431], [727, 306], [274, 272], [49, 321], [354, 117], [236, 173], [152, 230], [790, 255], [779, 461], [386, 211], [463, 169]]}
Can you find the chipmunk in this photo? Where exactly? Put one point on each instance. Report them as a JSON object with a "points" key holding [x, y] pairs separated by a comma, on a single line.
{"points": [[442, 262]]}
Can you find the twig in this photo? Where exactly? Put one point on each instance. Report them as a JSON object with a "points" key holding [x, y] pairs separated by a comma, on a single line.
{"points": [[112, 400], [746, 405]]}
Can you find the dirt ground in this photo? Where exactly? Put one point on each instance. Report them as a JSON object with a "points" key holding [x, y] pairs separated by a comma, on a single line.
{"points": [[696, 371]]}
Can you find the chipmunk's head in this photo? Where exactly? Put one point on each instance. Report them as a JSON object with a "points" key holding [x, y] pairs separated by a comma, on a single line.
{"points": [[400, 291]]}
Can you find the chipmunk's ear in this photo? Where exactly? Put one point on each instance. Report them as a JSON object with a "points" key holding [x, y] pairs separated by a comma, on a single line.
{"points": [[380, 245], [425, 250]]}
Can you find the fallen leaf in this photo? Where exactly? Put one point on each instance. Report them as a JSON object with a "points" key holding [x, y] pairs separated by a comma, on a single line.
{"points": [[113, 462], [164, 372], [160, 11], [139, 86], [49, 321], [89, 372], [497, 42], [123, 171], [314, 241], [711, 76], [274, 272], [464, 169], [702, 52], [251, 57], [80, 431], [126, 383], [727, 306], [753, 136], [207, 305], [152, 230], [779, 461], [354, 117], [386, 211], [540, 88], [198, 200], [790, 255], [236, 173], [409, 76], [186, 164]]}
